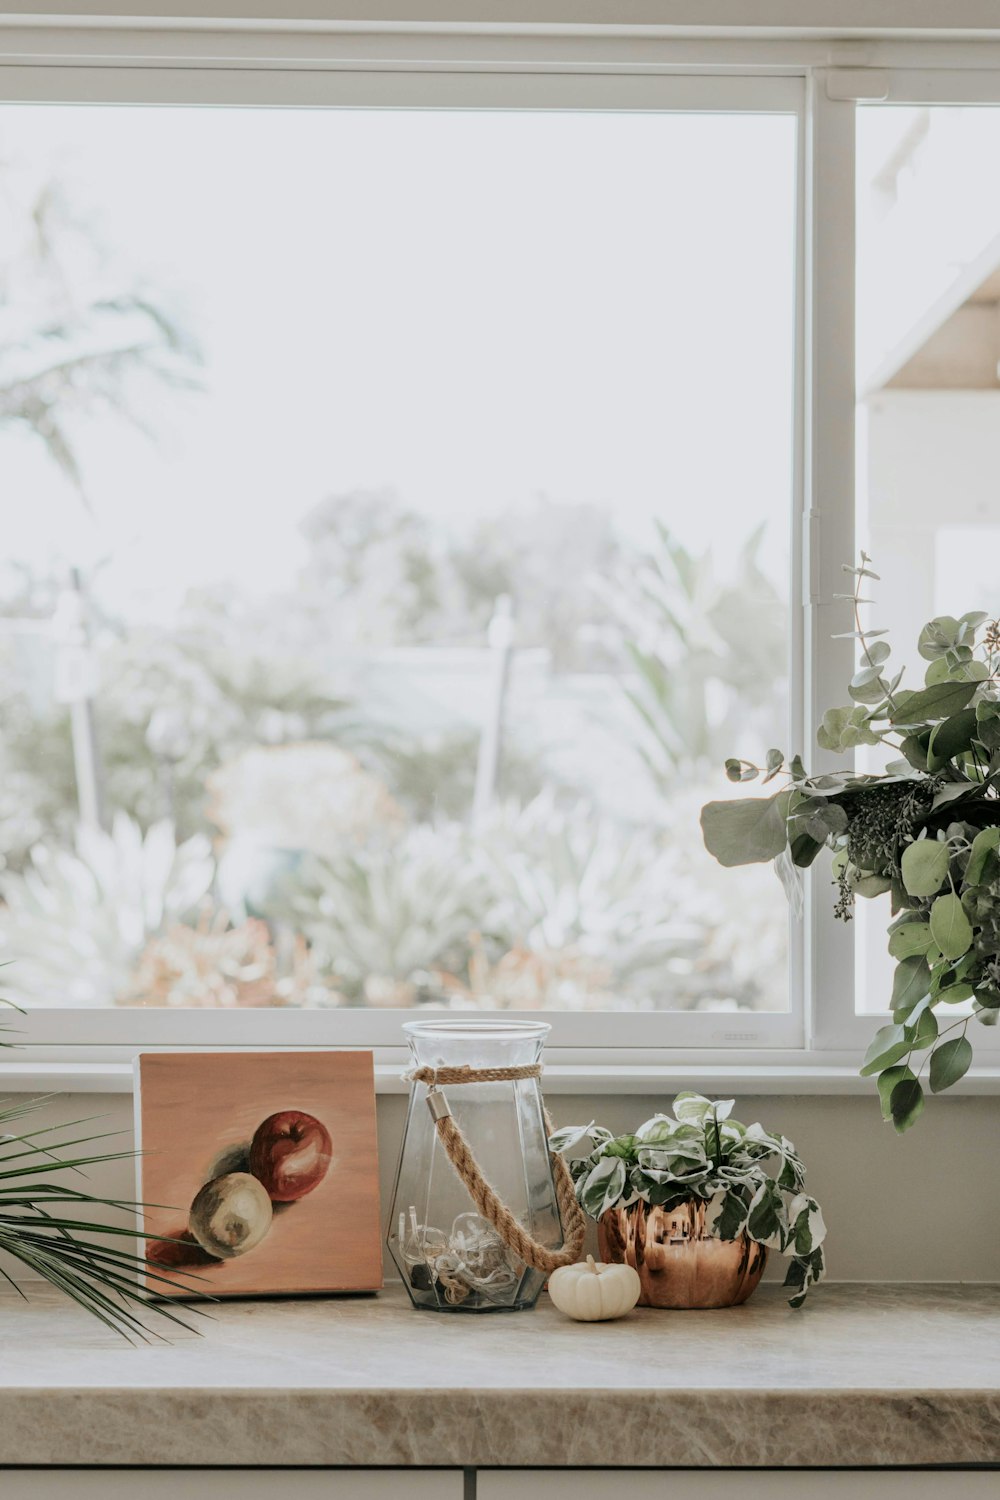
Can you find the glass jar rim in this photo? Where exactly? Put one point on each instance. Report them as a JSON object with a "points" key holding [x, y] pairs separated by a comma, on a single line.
{"points": [[500, 1031]]}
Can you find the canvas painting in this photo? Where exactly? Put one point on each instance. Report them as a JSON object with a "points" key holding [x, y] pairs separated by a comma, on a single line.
{"points": [[259, 1171]]}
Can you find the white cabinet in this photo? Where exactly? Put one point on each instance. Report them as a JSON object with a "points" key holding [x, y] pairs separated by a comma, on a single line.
{"points": [[746, 1484], [232, 1484]]}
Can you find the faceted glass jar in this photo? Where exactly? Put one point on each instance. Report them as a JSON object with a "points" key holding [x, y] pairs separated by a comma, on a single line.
{"points": [[451, 1259]]}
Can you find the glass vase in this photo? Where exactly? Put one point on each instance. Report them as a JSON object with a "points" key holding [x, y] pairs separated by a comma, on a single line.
{"points": [[450, 1257]]}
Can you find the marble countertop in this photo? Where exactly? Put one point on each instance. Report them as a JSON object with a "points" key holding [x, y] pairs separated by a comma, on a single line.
{"points": [[862, 1375]]}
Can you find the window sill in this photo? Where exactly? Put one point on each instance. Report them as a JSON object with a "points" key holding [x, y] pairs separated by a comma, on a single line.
{"points": [[799, 1077]]}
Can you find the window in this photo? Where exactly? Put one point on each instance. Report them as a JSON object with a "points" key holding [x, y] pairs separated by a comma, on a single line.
{"points": [[928, 259], [403, 507], [474, 454]]}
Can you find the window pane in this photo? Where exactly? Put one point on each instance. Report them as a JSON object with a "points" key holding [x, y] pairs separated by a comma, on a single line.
{"points": [[400, 507], [929, 391]]}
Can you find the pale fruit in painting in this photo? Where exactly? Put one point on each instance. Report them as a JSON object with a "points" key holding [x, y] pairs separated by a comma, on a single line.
{"points": [[230, 1215], [290, 1154]]}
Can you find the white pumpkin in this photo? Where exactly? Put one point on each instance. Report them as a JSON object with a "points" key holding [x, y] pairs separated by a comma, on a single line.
{"points": [[591, 1292]]}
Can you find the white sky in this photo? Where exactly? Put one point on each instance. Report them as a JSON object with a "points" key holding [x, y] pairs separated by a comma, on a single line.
{"points": [[470, 308]]}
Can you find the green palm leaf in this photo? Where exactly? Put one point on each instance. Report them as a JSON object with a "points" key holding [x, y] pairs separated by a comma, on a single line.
{"points": [[44, 1226]]}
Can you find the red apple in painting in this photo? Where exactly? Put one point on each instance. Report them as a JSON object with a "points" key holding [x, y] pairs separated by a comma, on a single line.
{"points": [[290, 1155]]}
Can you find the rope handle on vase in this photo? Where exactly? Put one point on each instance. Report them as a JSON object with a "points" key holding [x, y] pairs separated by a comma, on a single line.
{"points": [[484, 1196]]}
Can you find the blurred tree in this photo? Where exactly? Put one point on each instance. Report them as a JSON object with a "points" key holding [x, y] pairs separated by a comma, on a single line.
{"points": [[76, 340], [380, 574]]}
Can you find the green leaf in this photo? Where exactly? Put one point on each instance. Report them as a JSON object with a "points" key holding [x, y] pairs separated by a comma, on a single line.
{"points": [[906, 1103], [987, 840], [749, 831], [804, 849], [866, 686], [740, 770], [887, 1046], [871, 886], [914, 747], [925, 1029], [821, 818], [988, 714], [602, 1187], [764, 1220], [950, 927], [911, 939], [937, 637], [924, 867], [887, 1082], [910, 982], [623, 1146], [955, 994], [949, 1063], [951, 738], [843, 729], [568, 1137], [953, 792], [694, 1108], [934, 703]]}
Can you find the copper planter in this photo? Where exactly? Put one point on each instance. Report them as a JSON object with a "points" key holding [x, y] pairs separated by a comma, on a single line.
{"points": [[680, 1265]]}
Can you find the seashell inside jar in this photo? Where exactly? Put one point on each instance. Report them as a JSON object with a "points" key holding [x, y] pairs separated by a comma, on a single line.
{"points": [[680, 1265]]}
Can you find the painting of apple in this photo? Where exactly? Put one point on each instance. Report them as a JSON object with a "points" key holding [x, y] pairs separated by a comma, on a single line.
{"points": [[290, 1155], [258, 1172], [230, 1215]]}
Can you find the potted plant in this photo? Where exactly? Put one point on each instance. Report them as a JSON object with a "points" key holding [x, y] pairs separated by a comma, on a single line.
{"points": [[925, 832], [694, 1201]]}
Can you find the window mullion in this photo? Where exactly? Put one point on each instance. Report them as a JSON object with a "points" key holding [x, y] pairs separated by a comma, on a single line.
{"points": [[828, 521]]}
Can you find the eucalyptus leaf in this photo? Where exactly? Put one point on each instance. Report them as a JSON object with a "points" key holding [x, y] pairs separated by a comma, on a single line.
{"points": [[950, 927], [871, 886], [950, 738], [949, 1063], [845, 728], [924, 867], [910, 982], [934, 703], [955, 994], [887, 1046], [906, 1104], [910, 940], [937, 637], [887, 1082], [914, 747], [925, 1029], [748, 831], [985, 842]]}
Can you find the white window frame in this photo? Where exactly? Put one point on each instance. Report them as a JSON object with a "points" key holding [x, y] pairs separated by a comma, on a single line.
{"points": [[837, 1027], [167, 64]]}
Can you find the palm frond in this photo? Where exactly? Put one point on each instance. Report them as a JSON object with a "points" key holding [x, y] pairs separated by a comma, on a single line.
{"points": [[46, 1226]]}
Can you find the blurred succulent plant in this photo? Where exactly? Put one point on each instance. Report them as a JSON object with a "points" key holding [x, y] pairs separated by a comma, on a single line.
{"points": [[76, 923], [567, 881], [310, 796], [525, 980], [217, 965], [384, 918]]}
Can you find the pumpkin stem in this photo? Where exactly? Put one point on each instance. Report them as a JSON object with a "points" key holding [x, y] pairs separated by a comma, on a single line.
{"points": [[592, 1266]]}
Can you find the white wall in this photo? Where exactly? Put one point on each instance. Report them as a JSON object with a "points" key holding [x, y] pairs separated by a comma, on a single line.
{"points": [[922, 1207]]}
